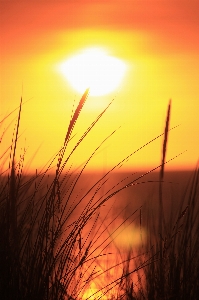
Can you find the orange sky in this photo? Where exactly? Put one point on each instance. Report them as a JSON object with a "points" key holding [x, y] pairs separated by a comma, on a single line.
{"points": [[159, 42]]}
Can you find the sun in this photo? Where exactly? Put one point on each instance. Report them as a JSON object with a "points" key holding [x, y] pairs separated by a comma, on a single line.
{"points": [[93, 68]]}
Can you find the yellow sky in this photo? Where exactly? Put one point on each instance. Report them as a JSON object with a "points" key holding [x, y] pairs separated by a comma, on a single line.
{"points": [[158, 41]]}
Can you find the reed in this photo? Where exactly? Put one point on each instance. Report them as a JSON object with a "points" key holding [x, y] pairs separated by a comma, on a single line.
{"points": [[50, 232]]}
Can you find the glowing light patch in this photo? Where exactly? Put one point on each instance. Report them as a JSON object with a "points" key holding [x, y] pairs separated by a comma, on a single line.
{"points": [[129, 236], [94, 69]]}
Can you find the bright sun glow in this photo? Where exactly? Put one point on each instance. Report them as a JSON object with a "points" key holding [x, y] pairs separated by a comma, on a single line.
{"points": [[93, 68]]}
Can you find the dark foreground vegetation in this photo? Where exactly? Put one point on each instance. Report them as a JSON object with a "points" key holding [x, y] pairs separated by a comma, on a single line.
{"points": [[50, 233]]}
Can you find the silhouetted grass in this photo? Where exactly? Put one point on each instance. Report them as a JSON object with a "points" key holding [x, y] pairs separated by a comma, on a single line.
{"points": [[51, 232], [173, 243], [173, 271]]}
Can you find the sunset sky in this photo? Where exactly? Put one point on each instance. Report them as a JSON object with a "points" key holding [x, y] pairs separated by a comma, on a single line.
{"points": [[158, 42]]}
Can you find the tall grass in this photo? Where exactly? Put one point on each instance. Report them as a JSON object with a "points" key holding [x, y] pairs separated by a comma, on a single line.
{"points": [[173, 271], [51, 232]]}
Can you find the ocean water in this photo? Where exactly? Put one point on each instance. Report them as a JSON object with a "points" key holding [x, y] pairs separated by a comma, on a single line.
{"points": [[115, 214], [118, 196]]}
